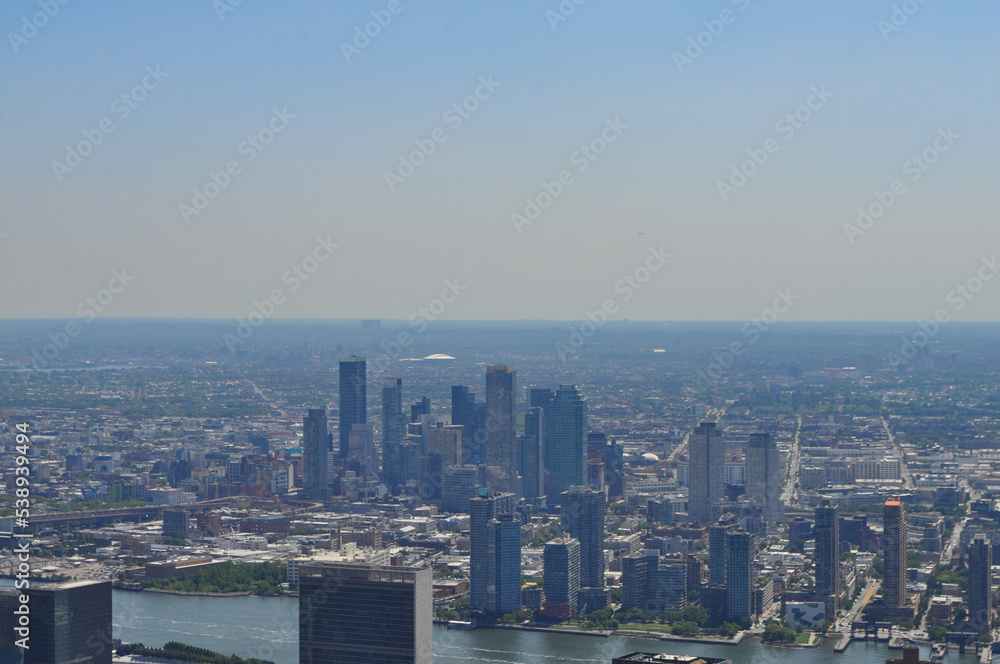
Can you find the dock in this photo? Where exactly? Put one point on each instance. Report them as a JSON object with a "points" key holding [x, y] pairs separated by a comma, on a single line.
{"points": [[845, 640]]}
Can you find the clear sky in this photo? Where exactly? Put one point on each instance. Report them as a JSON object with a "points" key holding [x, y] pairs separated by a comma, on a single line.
{"points": [[887, 81]]}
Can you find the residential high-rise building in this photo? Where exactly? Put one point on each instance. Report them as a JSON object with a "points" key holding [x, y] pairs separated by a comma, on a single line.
{"points": [[429, 480], [531, 454], [980, 580], [364, 614], [463, 412], [895, 539], [635, 579], [363, 456], [614, 469], [501, 435], [419, 409], [651, 586], [459, 485], [583, 519], [446, 442], [568, 442], [478, 443], [484, 509], [827, 556], [666, 588], [740, 576], [353, 399], [68, 622], [597, 442], [561, 571], [717, 552], [595, 475], [393, 420], [503, 586], [409, 460], [763, 477], [694, 576], [541, 397], [707, 464], [316, 442], [176, 523]]}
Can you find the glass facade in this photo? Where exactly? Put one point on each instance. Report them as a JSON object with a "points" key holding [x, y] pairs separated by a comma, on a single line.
{"points": [[357, 614]]}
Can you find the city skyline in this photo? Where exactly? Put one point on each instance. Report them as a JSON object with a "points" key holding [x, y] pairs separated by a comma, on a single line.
{"points": [[389, 332], [233, 458]]}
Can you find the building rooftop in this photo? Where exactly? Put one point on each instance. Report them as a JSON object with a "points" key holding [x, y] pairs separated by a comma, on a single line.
{"points": [[667, 658]]}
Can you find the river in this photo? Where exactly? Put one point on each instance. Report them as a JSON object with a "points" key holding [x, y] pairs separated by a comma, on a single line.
{"points": [[268, 628]]}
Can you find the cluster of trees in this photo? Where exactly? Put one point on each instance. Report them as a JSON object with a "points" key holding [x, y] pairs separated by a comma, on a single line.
{"points": [[459, 610], [603, 619], [227, 577], [775, 632], [185, 653], [692, 619], [944, 574], [517, 617], [549, 532]]}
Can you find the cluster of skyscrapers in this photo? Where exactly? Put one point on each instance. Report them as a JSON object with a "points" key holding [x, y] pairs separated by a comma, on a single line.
{"points": [[476, 460], [706, 463], [448, 459]]}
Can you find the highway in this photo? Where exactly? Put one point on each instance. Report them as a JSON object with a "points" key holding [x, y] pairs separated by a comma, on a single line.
{"points": [[897, 452], [788, 494]]}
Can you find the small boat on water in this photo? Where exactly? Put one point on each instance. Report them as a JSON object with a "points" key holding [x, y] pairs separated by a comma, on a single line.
{"points": [[896, 643], [938, 651]]}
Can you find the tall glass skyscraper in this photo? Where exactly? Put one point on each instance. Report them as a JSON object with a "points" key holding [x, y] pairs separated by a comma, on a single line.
{"points": [[363, 614], [980, 595], [763, 477], [484, 509], [895, 538], [353, 399], [568, 440], [501, 434], [740, 577], [315, 448], [827, 556], [583, 519], [531, 454], [503, 586], [562, 577], [463, 414], [393, 420], [541, 397], [707, 465], [717, 551]]}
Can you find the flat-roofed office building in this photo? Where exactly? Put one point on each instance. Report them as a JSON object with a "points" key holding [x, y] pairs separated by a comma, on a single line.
{"points": [[365, 614], [69, 623]]}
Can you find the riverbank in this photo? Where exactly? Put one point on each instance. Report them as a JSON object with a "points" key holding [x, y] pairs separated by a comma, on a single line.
{"points": [[198, 593], [632, 633], [555, 630], [268, 628]]}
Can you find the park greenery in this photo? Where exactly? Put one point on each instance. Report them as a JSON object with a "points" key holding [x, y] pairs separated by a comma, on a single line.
{"points": [[226, 577], [182, 652], [775, 632]]}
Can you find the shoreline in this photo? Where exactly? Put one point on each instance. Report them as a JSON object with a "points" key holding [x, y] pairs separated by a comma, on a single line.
{"points": [[185, 593], [815, 639], [630, 633]]}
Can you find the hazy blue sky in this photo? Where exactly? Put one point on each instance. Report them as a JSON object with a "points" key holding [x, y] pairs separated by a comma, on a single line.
{"points": [[885, 96]]}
